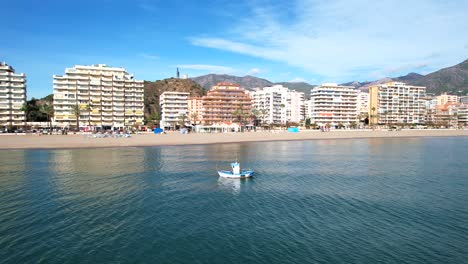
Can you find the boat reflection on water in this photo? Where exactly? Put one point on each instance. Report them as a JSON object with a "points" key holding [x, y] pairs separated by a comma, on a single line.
{"points": [[233, 185]]}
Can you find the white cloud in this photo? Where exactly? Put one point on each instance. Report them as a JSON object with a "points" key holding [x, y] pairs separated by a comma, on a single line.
{"points": [[209, 68], [342, 39], [254, 71]]}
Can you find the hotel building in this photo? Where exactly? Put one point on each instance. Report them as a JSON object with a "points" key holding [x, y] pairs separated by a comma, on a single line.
{"points": [[223, 100], [106, 97], [396, 102], [333, 104], [12, 96], [174, 106], [195, 105]]}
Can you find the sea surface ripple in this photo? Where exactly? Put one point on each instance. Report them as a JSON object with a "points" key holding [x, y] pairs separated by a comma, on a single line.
{"points": [[324, 201]]}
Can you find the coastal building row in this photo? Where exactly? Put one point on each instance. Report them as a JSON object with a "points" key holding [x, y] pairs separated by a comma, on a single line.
{"points": [[12, 96], [110, 97]]}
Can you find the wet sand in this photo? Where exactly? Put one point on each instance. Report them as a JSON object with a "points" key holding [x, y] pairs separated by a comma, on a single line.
{"points": [[175, 138]]}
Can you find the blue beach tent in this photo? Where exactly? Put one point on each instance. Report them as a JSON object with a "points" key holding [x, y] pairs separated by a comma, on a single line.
{"points": [[158, 130]]}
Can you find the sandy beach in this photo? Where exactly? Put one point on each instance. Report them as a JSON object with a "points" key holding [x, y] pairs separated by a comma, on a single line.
{"points": [[174, 138]]}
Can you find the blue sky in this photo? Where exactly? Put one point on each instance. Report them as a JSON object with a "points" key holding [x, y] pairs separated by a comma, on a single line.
{"points": [[299, 40]]}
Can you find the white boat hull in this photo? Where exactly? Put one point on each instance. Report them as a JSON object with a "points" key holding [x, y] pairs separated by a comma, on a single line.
{"points": [[241, 175]]}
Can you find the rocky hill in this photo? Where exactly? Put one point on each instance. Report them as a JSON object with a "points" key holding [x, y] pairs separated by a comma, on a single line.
{"points": [[453, 80], [154, 89]]}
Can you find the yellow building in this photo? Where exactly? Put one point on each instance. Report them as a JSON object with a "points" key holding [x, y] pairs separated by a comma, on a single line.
{"points": [[107, 97], [396, 102]]}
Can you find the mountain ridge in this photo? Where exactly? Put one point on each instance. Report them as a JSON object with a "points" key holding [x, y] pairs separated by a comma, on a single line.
{"points": [[453, 79]]}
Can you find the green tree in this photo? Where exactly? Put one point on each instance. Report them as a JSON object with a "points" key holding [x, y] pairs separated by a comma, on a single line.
{"points": [[307, 123], [48, 110]]}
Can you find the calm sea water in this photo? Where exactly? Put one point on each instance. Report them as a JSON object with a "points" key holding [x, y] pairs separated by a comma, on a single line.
{"points": [[324, 201]]}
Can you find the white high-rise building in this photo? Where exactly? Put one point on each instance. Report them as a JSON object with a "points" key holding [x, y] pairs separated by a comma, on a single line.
{"points": [[173, 106], [296, 108], [12, 96], [106, 97], [363, 102], [278, 105], [334, 105]]}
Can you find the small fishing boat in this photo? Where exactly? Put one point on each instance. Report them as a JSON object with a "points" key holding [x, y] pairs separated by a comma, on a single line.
{"points": [[236, 172]]}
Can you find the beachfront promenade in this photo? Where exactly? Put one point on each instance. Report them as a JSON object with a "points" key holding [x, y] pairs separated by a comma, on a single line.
{"points": [[174, 138]]}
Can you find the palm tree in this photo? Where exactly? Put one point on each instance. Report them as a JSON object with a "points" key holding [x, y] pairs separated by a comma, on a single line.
{"points": [[76, 110], [254, 116], [194, 117], [373, 115], [182, 118], [48, 110]]}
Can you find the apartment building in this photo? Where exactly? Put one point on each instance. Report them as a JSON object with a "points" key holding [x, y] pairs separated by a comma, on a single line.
{"points": [[295, 107], [445, 98], [463, 115], [100, 96], [334, 105], [12, 96], [195, 105], [396, 102], [224, 102], [174, 109], [278, 104], [271, 103], [363, 103]]}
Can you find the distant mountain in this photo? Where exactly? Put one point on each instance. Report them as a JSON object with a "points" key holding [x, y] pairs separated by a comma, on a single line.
{"points": [[452, 80], [248, 82], [410, 77], [154, 89]]}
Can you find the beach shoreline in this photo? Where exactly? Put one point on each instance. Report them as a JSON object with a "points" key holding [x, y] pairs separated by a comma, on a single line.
{"points": [[31, 141]]}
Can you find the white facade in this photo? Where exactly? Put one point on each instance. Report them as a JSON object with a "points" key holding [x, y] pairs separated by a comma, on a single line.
{"points": [[296, 108], [333, 105], [12, 96], [107, 97], [363, 102], [278, 105], [173, 105]]}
